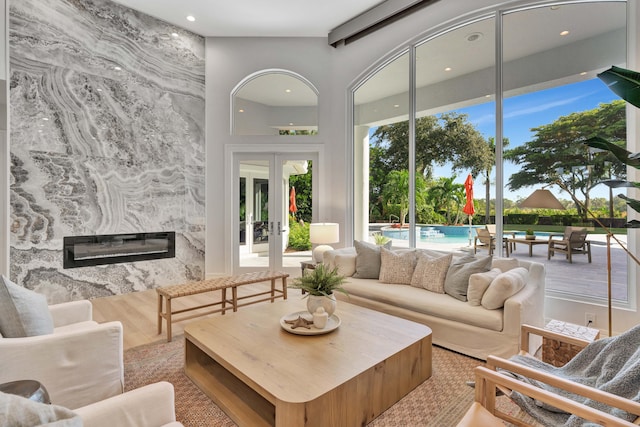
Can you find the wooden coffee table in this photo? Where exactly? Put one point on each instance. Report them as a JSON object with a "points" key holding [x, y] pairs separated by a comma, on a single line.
{"points": [[261, 375], [530, 243]]}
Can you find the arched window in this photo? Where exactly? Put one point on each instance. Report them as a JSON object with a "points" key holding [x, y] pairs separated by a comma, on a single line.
{"points": [[274, 102], [468, 100]]}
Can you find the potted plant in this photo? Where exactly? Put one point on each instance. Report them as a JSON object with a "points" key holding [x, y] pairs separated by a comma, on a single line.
{"points": [[380, 239], [319, 285], [529, 235]]}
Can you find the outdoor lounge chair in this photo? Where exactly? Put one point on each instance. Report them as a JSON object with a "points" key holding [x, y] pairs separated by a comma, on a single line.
{"points": [[599, 385], [485, 240], [573, 242]]}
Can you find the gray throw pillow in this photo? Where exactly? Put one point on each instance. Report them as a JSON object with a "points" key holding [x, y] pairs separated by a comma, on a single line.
{"points": [[457, 280], [23, 313], [368, 259]]}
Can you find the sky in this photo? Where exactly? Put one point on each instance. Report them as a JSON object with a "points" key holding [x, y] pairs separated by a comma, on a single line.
{"points": [[523, 112]]}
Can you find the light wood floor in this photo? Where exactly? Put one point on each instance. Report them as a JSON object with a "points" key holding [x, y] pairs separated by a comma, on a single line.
{"points": [[138, 312]]}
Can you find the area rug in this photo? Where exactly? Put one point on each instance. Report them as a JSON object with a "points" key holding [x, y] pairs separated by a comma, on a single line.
{"points": [[442, 400]]}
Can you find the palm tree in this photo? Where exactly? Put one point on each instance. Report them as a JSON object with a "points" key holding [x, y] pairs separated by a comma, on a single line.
{"points": [[396, 191], [449, 196]]}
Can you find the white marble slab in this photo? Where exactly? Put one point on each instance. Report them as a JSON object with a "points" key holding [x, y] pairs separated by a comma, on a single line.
{"points": [[107, 136]]}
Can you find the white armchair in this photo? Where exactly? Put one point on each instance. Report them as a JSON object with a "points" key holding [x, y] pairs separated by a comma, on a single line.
{"points": [[149, 406], [79, 363]]}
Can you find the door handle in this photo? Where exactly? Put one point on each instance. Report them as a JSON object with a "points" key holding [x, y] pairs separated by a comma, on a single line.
{"points": [[271, 228], [279, 228]]}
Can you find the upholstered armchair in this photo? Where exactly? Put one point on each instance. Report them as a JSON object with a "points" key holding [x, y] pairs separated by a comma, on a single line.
{"points": [[79, 363], [150, 406]]}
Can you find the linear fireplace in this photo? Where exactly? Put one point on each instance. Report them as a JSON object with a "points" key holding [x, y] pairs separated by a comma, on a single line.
{"points": [[84, 251]]}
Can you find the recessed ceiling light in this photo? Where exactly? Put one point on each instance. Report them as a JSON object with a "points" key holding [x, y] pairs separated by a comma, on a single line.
{"points": [[555, 7], [174, 35], [190, 18], [290, 124], [396, 106], [564, 33], [241, 111], [117, 68], [448, 69], [584, 73], [99, 89], [288, 90], [45, 118], [474, 37]]}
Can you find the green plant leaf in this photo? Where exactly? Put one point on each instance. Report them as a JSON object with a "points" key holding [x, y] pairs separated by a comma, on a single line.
{"points": [[621, 154], [624, 83], [619, 183], [633, 203]]}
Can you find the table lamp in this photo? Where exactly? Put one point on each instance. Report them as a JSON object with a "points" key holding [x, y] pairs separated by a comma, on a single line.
{"points": [[322, 233]]}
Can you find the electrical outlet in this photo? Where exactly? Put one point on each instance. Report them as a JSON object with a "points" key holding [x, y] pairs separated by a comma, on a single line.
{"points": [[590, 319]]}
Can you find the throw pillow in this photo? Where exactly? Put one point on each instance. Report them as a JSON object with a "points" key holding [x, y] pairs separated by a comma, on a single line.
{"points": [[505, 264], [504, 286], [430, 272], [19, 411], [368, 259], [23, 313], [457, 280], [397, 267], [478, 284]]}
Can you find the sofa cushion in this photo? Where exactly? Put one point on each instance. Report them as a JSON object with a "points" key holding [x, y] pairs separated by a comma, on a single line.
{"points": [[505, 264], [21, 412], [368, 259], [397, 266], [429, 303], [457, 280], [478, 284], [430, 272], [503, 286], [23, 313], [344, 259]]}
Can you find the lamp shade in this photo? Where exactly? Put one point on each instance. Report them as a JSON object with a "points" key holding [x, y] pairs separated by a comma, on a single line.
{"points": [[541, 199], [321, 233], [324, 232]]}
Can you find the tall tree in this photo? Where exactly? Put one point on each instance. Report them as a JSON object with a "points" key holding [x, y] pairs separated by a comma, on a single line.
{"points": [[487, 176], [448, 138], [557, 151], [448, 196], [396, 192]]}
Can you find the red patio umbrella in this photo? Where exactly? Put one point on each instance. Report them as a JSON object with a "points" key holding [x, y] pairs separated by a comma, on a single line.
{"points": [[292, 201], [469, 209]]}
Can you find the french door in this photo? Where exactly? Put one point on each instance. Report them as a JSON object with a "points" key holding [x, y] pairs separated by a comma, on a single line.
{"points": [[267, 206]]}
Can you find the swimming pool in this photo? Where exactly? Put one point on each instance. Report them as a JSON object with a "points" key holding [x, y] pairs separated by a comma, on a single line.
{"points": [[445, 234]]}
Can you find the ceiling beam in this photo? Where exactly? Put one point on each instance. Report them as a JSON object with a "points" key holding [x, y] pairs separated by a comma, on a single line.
{"points": [[371, 20]]}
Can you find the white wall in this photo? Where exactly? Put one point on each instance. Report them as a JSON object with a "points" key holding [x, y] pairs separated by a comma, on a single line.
{"points": [[230, 60], [334, 71]]}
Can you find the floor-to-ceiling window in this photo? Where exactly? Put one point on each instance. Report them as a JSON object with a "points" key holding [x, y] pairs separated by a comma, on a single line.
{"points": [[467, 112]]}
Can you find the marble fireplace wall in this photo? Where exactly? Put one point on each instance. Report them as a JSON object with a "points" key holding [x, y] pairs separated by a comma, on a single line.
{"points": [[107, 136]]}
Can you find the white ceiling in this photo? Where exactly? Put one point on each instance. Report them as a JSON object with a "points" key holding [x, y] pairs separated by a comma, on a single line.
{"points": [[254, 18]]}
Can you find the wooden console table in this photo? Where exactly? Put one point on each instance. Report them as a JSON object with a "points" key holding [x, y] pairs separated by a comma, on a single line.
{"points": [[218, 284]]}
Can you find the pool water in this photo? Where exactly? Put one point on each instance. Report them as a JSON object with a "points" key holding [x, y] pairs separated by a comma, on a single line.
{"points": [[445, 234]]}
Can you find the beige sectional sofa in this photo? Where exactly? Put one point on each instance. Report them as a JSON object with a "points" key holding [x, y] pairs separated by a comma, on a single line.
{"points": [[456, 324]]}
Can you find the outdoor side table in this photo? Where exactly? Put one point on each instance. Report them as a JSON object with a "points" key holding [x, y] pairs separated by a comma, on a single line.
{"points": [[557, 353]]}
